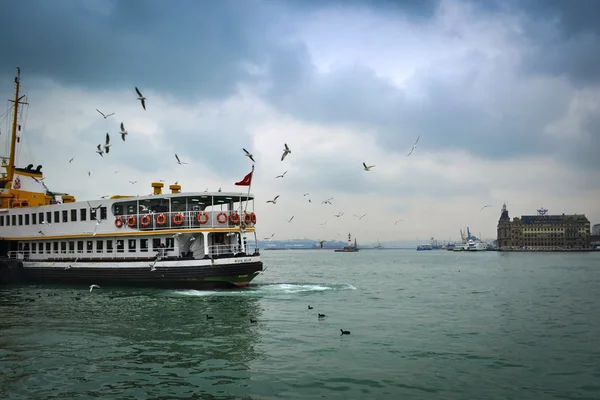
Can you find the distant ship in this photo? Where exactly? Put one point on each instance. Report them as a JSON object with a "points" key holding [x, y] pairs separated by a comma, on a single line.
{"points": [[379, 246], [350, 248]]}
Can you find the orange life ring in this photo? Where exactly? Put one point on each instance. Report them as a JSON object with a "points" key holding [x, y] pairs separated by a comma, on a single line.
{"points": [[131, 221], [161, 219], [145, 221], [234, 218], [222, 220], [253, 216], [178, 219], [247, 218], [119, 221], [202, 218]]}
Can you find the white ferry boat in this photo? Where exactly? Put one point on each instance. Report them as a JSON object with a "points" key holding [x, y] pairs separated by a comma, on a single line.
{"points": [[182, 240], [475, 245]]}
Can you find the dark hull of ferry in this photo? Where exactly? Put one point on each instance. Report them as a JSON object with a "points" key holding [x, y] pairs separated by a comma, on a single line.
{"points": [[179, 277]]}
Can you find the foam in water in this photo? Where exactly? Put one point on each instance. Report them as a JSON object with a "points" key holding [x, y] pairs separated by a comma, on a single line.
{"points": [[269, 289]]}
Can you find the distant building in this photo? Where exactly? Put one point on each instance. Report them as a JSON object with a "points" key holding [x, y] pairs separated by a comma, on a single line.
{"points": [[543, 232], [596, 230]]}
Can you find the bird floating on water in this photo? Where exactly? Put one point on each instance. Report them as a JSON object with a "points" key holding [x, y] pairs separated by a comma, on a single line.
{"points": [[344, 332], [141, 97]]}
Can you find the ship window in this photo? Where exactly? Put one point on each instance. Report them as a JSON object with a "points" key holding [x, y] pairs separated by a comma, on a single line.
{"points": [[56, 217], [48, 247], [83, 214], [63, 247], [34, 219], [92, 215], [8, 220], [20, 246], [73, 215], [20, 219], [143, 244], [26, 219], [14, 220], [49, 217], [170, 243], [109, 246], [1, 220], [71, 247], [33, 247], [131, 245], [102, 212], [65, 215], [55, 247], [41, 217], [80, 246], [90, 246], [120, 245], [155, 244], [41, 248], [99, 246], [118, 209]]}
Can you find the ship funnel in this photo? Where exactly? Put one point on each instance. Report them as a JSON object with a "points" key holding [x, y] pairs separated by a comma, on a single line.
{"points": [[157, 187], [175, 188]]}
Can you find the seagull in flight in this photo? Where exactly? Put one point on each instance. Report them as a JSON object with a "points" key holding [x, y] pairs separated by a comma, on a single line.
{"points": [[360, 217], [328, 201], [367, 168], [290, 220], [338, 214], [71, 160], [141, 97], [248, 154], [400, 220], [133, 182], [414, 146], [93, 286], [281, 176], [123, 132], [269, 238], [89, 173], [105, 115], [305, 194], [99, 151], [274, 201], [107, 143], [324, 223], [489, 205], [286, 151], [179, 161]]}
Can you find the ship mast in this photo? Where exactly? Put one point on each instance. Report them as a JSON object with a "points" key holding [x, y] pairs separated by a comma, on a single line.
{"points": [[10, 168]]}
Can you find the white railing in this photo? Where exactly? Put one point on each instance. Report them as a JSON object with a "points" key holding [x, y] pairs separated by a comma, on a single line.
{"points": [[186, 220], [224, 249]]}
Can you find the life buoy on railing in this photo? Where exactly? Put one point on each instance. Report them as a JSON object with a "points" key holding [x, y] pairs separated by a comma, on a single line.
{"points": [[178, 219], [234, 218], [161, 219], [119, 221], [145, 221], [222, 217], [202, 218], [131, 220], [247, 218], [253, 216]]}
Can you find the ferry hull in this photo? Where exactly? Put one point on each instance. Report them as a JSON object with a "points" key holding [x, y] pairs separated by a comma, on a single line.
{"points": [[178, 275]]}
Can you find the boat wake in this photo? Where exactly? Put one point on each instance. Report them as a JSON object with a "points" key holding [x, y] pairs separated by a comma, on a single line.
{"points": [[270, 289]]}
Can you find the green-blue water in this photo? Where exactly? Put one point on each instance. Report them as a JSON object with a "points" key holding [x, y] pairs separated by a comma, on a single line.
{"points": [[425, 325]]}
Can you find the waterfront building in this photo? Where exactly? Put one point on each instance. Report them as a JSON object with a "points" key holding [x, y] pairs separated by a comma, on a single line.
{"points": [[543, 232]]}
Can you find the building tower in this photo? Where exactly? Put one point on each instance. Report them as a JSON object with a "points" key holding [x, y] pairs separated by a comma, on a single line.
{"points": [[503, 236]]}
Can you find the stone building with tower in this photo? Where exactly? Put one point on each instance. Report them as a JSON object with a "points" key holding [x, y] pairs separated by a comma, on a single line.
{"points": [[543, 232]]}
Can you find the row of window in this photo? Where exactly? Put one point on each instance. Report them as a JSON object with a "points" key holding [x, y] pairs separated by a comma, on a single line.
{"points": [[34, 219], [97, 246]]}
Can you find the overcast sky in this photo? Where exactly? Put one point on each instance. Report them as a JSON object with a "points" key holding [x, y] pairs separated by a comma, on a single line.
{"points": [[505, 99]]}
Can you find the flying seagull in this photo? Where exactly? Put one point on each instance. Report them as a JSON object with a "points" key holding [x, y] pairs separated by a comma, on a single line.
{"points": [[179, 161], [270, 237], [93, 286], [107, 144], [281, 176], [71, 160], [290, 220], [286, 151], [367, 168], [123, 132], [305, 194], [328, 201], [89, 173], [133, 182], [274, 201], [400, 220], [105, 116], [141, 97], [99, 151], [249, 155], [489, 205], [360, 217], [414, 146], [339, 214]]}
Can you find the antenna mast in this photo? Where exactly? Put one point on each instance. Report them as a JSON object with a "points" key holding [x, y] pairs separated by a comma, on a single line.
{"points": [[10, 169]]}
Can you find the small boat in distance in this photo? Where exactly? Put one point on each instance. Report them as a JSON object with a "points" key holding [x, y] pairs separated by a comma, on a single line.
{"points": [[349, 248], [379, 246]]}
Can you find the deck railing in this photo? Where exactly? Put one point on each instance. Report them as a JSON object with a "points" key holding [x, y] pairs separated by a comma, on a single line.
{"points": [[186, 220]]}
